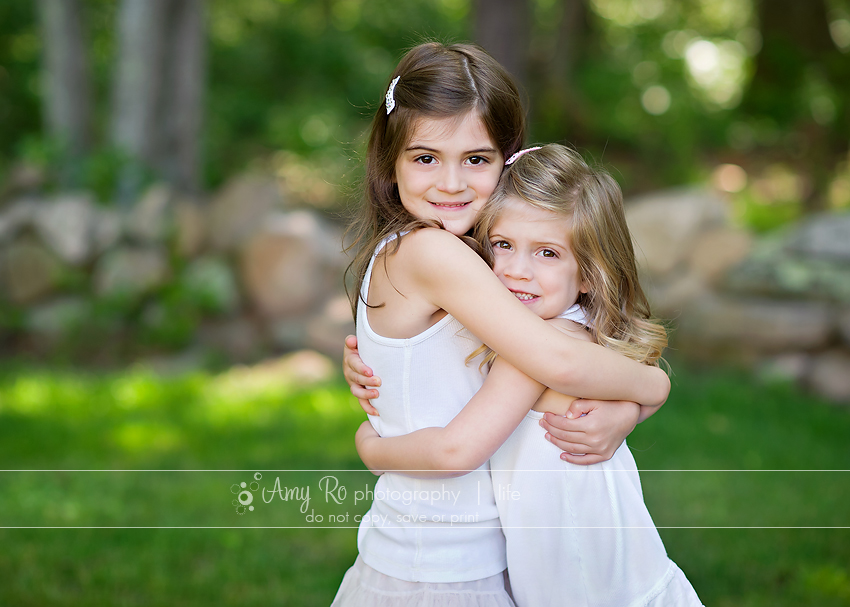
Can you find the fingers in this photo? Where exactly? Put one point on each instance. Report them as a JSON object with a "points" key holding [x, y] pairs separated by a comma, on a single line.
{"points": [[367, 407], [583, 460], [362, 393], [579, 407], [351, 342]]}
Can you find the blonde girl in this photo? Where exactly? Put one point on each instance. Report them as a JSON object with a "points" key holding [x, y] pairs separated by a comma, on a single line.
{"points": [[424, 301], [555, 233]]}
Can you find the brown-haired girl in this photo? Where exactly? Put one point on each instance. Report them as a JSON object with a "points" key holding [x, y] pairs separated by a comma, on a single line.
{"points": [[424, 301], [556, 235]]}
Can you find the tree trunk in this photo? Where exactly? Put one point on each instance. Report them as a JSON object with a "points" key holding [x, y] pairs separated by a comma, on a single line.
{"points": [[797, 43], [502, 28], [182, 99], [137, 87], [66, 83]]}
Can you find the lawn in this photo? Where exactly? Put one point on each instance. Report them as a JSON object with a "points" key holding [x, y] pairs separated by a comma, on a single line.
{"points": [[147, 508]]}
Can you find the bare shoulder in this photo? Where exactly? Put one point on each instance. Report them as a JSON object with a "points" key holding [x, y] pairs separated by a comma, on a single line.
{"points": [[573, 329], [429, 249]]}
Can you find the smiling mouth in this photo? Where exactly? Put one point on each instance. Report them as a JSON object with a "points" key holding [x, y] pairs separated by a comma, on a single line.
{"points": [[450, 205], [524, 296]]}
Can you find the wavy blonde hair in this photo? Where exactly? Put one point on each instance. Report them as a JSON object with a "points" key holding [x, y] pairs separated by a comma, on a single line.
{"points": [[557, 179]]}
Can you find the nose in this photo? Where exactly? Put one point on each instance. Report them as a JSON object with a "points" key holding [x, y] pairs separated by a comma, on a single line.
{"points": [[451, 179], [515, 266]]}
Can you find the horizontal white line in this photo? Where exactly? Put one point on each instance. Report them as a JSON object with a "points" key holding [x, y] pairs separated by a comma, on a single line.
{"points": [[458, 526]]}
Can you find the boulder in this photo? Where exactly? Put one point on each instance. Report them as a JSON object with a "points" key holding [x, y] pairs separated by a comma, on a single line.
{"points": [[130, 271], [30, 271], [825, 236], [15, 217], [830, 375], [106, 230], [240, 209], [292, 264], [65, 224], [844, 326], [59, 317], [302, 369], [759, 325], [665, 225], [715, 251], [148, 221], [191, 228], [238, 338]]}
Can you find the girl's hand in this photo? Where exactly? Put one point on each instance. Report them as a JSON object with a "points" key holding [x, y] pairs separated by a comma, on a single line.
{"points": [[364, 434], [592, 430], [359, 376]]}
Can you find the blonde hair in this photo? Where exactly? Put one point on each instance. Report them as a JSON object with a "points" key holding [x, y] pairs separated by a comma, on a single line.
{"points": [[435, 81], [557, 179]]}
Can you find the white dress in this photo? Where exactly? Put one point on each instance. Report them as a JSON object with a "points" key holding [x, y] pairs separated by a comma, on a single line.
{"points": [[425, 542], [579, 536]]}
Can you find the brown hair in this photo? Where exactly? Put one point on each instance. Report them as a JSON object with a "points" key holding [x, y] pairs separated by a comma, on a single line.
{"points": [[435, 81], [557, 179]]}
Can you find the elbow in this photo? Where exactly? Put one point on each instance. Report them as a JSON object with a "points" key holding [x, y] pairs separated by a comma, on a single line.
{"points": [[662, 388], [455, 461]]}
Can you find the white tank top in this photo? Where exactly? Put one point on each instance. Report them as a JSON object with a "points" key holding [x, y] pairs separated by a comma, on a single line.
{"points": [[442, 530]]}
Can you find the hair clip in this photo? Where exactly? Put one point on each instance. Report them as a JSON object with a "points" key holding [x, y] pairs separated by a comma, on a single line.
{"points": [[390, 98], [513, 158]]}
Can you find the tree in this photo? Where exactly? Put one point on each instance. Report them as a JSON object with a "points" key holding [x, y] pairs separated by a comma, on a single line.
{"points": [[66, 82], [502, 29], [158, 91], [798, 54]]}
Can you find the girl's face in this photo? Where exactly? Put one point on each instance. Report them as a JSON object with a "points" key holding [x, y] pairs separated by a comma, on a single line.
{"points": [[448, 170], [533, 258]]}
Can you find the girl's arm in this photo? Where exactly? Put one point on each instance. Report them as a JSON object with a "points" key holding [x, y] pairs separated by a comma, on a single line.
{"points": [[468, 441], [451, 276]]}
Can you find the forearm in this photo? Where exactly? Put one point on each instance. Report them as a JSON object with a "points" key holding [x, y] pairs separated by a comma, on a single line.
{"points": [[467, 441], [425, 453]]}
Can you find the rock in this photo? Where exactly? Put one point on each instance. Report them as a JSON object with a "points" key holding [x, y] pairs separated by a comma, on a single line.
{"points": [[791, 367], [326, 331], [130, 271], [31, 271], [191, 228], [830, 375], [65, 224], [292, 264], [303, 368], [239, 209], [24, 177], [106, 230], [665, 225], [670, 299], [211, 282], [15, 217], [237, 338], [148, 221], [826, 236], [759, 325], [717, 250], [57, 318], [844, 326]]}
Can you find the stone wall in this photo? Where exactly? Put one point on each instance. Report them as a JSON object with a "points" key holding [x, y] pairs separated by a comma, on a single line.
{"points": [[243, 274], [779, 303]]}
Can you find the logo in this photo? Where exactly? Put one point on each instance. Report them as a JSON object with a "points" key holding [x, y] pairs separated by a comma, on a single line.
{"points": [[244, 497]]}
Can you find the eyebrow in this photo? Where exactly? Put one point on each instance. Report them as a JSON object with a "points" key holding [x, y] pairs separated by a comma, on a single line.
{"points": [[427, 149]]}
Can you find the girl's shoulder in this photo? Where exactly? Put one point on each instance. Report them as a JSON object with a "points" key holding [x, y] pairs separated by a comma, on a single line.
{"points": [[426, 246]]}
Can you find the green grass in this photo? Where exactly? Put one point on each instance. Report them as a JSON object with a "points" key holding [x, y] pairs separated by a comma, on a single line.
{"points": [[231, 427]]}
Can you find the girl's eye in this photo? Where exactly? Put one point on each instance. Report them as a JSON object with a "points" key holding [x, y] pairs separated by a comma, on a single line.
{"points": [[549, 253], [476, 160], [500, 244], [426, 159]]}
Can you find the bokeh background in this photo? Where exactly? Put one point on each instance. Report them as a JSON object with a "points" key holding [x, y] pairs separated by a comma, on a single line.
{"points": [[175, 180]]}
